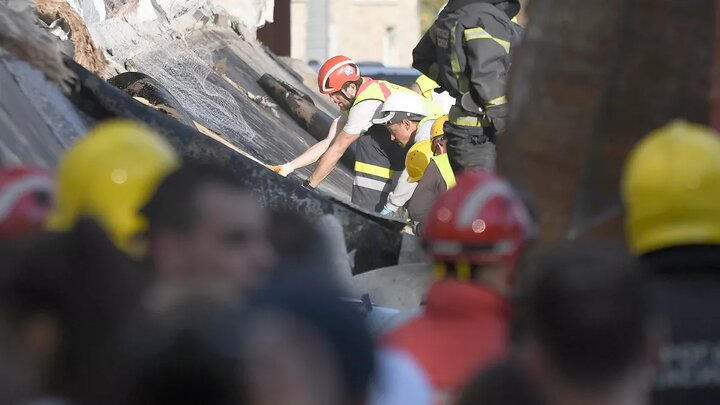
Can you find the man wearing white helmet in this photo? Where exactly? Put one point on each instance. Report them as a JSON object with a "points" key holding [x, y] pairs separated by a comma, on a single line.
{"points": [[409, 119]]}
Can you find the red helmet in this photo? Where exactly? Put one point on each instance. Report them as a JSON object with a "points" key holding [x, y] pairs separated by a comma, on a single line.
{"points": [[25, 200], [481, 220], [335, 72]]}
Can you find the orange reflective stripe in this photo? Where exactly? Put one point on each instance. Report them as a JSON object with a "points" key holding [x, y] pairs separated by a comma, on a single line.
{"points": [[385, 91], [365, 84]]}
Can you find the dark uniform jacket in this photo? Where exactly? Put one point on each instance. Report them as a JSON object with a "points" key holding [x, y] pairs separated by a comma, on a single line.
{"points": [[685, 293], [467, 49]]}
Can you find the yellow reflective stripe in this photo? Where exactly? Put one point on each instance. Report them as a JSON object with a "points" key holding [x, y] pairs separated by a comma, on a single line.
{"points": [[468, 122], [497, 101], [439, 271], [374, 170], [479, 33], [462, 269], [443, 164], [454, 60]]}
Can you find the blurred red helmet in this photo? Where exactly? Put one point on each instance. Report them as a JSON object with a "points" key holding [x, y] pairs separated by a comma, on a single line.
{"points": [[479, 221], [335, 72], [25, 200]]}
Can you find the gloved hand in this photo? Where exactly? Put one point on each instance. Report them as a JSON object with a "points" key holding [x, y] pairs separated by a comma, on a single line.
{"points": [[283, 170], [386, 212], [498, 117]]}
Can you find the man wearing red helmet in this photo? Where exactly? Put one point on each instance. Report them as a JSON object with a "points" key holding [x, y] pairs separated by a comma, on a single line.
{"points": [[475, 233], [379, 161], [25, 200]]}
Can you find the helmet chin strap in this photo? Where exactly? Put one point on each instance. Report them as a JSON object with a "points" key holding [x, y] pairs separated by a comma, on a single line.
{"points": [[345, 96]]}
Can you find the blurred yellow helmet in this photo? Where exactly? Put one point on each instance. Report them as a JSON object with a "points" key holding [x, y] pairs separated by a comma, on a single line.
{"points": [[109, 175], [417, 160], [437, 128], [671, 188]]}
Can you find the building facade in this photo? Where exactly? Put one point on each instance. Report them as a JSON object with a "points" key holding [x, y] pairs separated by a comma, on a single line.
{"points": [[383, 31]]}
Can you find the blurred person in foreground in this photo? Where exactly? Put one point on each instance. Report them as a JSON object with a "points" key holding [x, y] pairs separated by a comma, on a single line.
{"points": [[69, 294], [671, 189], [302, 344], [69, 299], [108, 175], [588, 337], [26, 195], [475, 234], [207, 235]]}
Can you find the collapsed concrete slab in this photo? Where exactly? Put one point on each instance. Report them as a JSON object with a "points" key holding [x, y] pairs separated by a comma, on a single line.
{"points": [[376, 239]]}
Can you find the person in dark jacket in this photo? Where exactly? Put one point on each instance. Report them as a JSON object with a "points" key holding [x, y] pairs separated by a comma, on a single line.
{"points": [[671, 188], [467, 52]]}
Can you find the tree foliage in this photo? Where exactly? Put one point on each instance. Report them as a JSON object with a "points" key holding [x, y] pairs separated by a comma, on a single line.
{"points": [[428, 12]]}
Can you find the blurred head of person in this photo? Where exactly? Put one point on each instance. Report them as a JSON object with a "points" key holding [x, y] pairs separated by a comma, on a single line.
{"points": [[26, 194], [477, 231], [69, 298], [671, 186], [303, 344], [189, 355], [207, 230], [109, 175], [589, 335]]}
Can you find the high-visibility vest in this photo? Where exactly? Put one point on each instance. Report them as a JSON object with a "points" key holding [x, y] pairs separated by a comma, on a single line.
{"points": [[443, 164]]}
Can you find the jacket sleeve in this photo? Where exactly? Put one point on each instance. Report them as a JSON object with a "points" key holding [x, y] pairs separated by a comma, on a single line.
{"points": [[424, 55], [402, 192], [486, 58]]}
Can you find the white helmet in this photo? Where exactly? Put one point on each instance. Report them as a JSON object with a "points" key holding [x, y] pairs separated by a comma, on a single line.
{"points": [[409, 103]]}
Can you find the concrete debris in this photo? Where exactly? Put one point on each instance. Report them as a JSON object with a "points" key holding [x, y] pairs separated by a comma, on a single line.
{"points": [[21, 37], [86, 52]]}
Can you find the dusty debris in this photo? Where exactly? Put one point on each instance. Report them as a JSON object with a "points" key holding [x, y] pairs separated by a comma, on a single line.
{"points": [[86, 52], [26, 41]]}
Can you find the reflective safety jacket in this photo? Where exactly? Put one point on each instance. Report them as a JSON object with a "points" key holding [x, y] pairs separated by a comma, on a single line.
{"points": [[467, 49], [446, 171]]}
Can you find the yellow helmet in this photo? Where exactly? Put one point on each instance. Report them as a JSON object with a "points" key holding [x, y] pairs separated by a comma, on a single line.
{"points": [[417, 160], [437, 127], [109, 175], [671, 188]]}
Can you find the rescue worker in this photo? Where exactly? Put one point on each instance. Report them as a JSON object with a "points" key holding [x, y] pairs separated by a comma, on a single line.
{"points": [[25, 200], [109, 175], [409, 119], [467, 52], [437, 178], [426, 87], [379, 161], [475, 234], [671, 189]]}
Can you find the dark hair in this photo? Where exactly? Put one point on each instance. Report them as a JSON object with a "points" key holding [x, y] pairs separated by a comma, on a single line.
{"points": [[189, 356], [587, 308], [174, 204], [502, 384], [91, 290], [315, 300]]}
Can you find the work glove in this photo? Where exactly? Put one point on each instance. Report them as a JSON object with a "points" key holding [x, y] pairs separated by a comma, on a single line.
{"points": [[497, 117], [283, 170], [386, 212]]}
